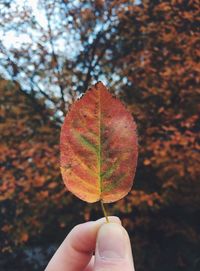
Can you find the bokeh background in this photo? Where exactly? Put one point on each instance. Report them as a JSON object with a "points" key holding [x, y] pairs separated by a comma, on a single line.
{"points": [[147, 52]]}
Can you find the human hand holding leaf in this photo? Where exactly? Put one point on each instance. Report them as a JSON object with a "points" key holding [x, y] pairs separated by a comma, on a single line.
{"points": [[98, 147]]}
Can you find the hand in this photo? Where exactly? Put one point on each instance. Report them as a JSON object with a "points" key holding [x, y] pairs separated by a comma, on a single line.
{"points": [[109, 241]]}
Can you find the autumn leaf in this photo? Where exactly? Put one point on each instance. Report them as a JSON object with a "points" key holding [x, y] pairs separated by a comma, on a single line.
{"points": [[98, 147]]}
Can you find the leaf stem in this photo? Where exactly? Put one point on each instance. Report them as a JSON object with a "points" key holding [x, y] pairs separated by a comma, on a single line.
{"points": [[104, 211]]}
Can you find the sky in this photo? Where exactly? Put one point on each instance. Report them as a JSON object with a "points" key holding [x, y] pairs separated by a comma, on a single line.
{"points": [[12, 38]]}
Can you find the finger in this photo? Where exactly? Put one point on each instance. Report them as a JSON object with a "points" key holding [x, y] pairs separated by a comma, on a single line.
{"points": [[113, 249], [90, 266], [76, 250]]}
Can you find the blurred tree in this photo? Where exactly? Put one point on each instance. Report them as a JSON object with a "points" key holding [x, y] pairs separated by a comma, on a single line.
{"points": [[148, 53], [57, 47], [159, 57], [29, 166], [32, 195]]}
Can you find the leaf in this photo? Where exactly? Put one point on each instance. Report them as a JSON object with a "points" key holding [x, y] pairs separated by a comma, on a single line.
{"points": [[98, 146]]}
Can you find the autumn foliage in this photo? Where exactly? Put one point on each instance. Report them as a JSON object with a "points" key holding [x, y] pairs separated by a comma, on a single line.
{"points": [[29, 167], [148, 54]]}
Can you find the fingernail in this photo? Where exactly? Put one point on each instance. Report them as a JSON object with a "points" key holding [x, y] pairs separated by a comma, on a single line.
{"points": [[111, 241]]}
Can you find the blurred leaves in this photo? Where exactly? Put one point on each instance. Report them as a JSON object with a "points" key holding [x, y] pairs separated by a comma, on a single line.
{"points": [[148, 53]]}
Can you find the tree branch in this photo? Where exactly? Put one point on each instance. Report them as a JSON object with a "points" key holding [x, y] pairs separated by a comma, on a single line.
{"points": [[55, 59]]}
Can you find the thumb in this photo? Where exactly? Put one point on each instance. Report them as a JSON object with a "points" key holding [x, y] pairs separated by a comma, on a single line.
{"points": [[113, 249]]}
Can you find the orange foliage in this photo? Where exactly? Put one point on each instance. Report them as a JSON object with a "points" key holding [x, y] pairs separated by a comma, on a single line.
{"points": [[29, 167]]}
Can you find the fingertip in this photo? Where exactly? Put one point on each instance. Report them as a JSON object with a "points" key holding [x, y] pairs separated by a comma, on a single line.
{"points": [[113, 250], [76, 250]]}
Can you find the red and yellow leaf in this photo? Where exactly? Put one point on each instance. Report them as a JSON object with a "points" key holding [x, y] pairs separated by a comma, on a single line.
{"points": [[98, 147]]}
